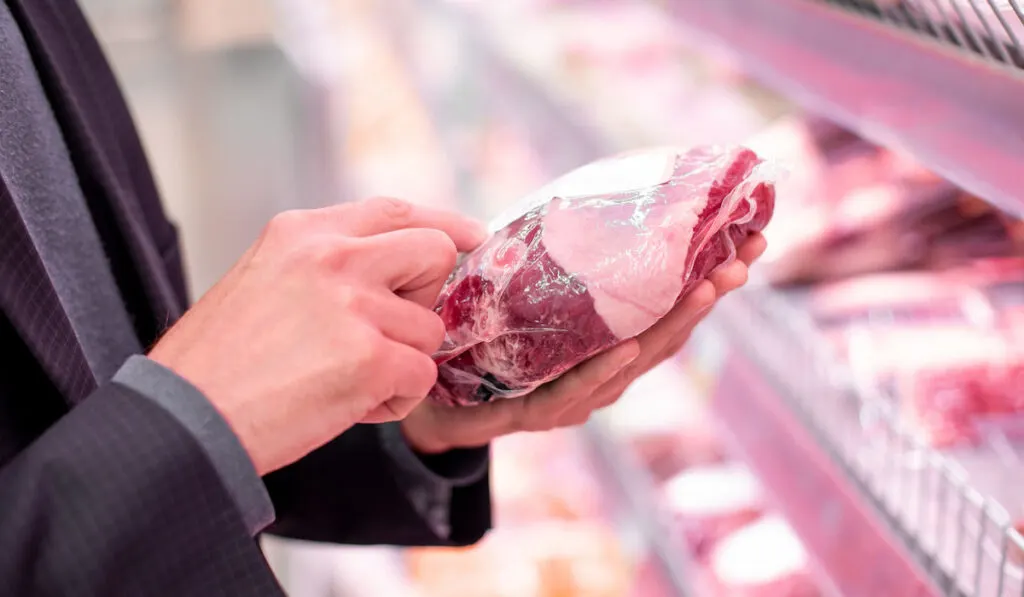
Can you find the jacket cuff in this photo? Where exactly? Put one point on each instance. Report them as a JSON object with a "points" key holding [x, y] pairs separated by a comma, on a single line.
{"points": [[191, 408], [428, 481]]}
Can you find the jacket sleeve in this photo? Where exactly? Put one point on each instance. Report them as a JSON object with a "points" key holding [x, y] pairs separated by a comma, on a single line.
{"points": [[117, 498], [354, 490]]}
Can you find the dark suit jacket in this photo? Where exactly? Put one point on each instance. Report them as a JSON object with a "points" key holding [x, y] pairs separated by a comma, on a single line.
{"points": [[102, 492]]}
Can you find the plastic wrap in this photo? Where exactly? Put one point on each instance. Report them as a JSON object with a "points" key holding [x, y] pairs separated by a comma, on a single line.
{"points": [[594, 258], [709, 502], [860, 209], [944, 343], [762, 559]]}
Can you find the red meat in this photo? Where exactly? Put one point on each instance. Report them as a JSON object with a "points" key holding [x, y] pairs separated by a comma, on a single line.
{"points": [[582, 271], [708, 503]]}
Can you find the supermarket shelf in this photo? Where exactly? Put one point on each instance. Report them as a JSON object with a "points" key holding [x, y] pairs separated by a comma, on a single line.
{"points": [[880, 514], [841, 529], [867, 491], [636, 490], [957, 110]]}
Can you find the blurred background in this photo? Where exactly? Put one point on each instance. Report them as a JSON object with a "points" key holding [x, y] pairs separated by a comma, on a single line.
{"points": [[847, 425]]}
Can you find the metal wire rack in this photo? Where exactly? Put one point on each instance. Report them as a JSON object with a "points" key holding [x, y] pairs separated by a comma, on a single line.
{"points": [[990, 29], [961, 537]]}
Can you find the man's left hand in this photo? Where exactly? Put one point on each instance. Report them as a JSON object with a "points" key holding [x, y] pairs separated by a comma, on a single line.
{"points": [[594, 384]]}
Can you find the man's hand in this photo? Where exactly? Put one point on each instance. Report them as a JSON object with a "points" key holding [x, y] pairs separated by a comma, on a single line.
{"points": [[324, 322], [597, 383]]}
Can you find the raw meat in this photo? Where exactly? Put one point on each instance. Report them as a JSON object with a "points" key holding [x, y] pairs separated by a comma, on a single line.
{"points": [[946, 376], [597, 258], [763, 559], [709, 502], [895, 298]]}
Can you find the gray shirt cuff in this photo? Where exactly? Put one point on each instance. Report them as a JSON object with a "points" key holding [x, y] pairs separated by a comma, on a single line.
{"points": [[428, 481], [186, 403]]}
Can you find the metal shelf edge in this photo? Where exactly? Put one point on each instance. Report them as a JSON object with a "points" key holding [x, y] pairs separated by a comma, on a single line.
{"points": [[961, 117], [843, 533]]}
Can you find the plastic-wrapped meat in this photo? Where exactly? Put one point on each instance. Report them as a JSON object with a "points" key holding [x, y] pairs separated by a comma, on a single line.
{"points": [[945, 375], [879, 226], [832, 162], [762, 559], [594, 259], [893, 298], [946, 404], [978, 292], [666, 453], [709, 502], [1001, 281]]}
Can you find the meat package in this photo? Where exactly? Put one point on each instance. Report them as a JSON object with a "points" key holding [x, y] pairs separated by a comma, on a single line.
{"points": [[762, 559], [590, 260], [862, 209], [945, 343], [707, 503]]}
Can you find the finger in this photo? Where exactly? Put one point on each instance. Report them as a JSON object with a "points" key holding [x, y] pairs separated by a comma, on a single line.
{"points": [[729, 277], [752, 248], [395, 409], [677, 342], [411, 375], [404, 321], [414, 262], [603, 396], [384, 214]]}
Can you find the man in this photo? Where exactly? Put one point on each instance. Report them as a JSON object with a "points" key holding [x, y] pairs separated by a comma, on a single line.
{"points": [[271, 405]]}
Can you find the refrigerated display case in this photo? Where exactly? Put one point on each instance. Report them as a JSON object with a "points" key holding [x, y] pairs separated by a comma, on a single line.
{"points": [[883, 472]]}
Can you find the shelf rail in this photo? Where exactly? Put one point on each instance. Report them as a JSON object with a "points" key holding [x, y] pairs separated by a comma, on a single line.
{"points": [[992, 30], [875, 67], [963, 540]]}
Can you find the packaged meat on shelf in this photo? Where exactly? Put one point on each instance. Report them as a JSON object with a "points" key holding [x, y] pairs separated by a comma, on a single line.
{"points": [[914, 283], [713, 512], [885, 322]]}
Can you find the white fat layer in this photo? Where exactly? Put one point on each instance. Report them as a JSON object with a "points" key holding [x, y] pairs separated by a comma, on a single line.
{"points": [[633, 252], [760, 553], [633, 267], [711, 491]]}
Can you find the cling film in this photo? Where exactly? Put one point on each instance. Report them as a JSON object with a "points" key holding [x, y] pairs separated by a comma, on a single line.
{"points": [[590, 260]]}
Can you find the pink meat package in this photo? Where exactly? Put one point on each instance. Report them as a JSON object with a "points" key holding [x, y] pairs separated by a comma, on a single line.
{"points": [[592, 259]]}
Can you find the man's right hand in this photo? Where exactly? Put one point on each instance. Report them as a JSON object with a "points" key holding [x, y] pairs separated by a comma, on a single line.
{"points": [[325, 322]]}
